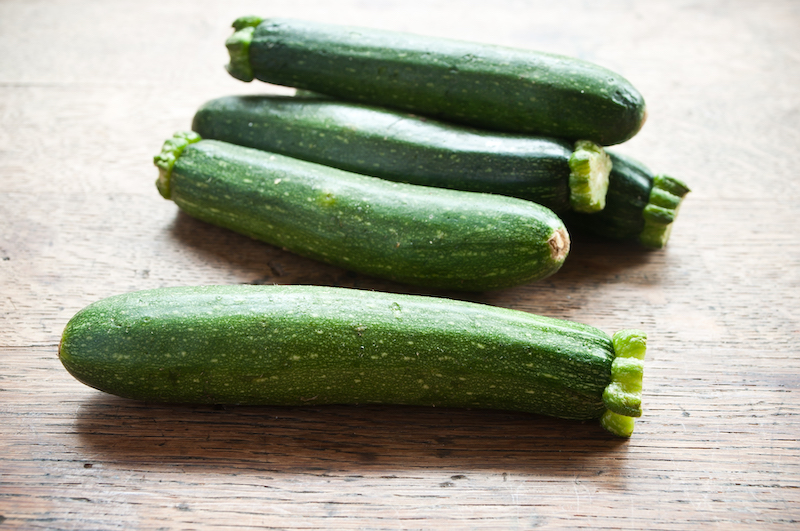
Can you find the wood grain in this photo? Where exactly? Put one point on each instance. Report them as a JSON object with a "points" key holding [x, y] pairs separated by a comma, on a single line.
{"points": [[90, 89]]}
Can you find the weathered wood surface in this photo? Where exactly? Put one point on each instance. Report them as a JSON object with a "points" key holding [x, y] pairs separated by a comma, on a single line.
{"points": [[90, 89]]}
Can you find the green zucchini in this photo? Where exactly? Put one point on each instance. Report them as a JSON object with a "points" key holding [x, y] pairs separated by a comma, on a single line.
{"points": [[300, 345], [401, 147], [420, 235], [639, 205], [491, 87]]}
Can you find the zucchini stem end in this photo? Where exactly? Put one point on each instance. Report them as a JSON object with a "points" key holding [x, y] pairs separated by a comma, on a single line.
{"points": [[623, 396], [619, 425], [238, 46], [589, 167], [661, 210], [165, 160]]}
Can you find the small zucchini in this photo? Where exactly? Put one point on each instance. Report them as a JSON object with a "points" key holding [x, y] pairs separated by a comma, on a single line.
{"points": [[639, 205], [491, 87], [420, 235], [401, 147], [300, 345]]}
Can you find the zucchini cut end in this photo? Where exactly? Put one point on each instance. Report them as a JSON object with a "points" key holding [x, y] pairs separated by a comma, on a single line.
{"points": [[559, 244], [238, 46], [589, 167], [661, 210], [165, 161], [623, 395], [619, 425]]}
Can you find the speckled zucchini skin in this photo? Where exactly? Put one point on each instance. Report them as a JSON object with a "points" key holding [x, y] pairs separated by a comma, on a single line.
{"points": [[490, 87], [413, 234], [300, 345], [394, 145]]}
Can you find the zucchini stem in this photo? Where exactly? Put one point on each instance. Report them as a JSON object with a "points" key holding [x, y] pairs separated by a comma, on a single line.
{"points": [[623, 396], [619, 425], [589, 167], [661, 210], [238, 46], [165, 160]]}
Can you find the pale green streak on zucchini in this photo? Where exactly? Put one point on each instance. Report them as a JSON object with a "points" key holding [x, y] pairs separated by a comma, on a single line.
{"points": [[489, 87], [419, 235], [402, 147], [299, 345]]}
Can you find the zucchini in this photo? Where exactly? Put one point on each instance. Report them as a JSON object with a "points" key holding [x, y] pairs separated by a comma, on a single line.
{"points": [[300, 345], [401, 147], [639, 205], [491, 87], [420, 235]]}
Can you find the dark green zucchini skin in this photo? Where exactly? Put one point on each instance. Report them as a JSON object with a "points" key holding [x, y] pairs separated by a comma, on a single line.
{"points": [[490, 87], [301, 345], [393, 145], [639, 205], [417, 235]]}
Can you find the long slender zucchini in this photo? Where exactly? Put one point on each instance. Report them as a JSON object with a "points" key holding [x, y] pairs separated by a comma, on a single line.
{"points": [[401, 147], [490, 87], [639, 205], [296, 345], [419, 235]]}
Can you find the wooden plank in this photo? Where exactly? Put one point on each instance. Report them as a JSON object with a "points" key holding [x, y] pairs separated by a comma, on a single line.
{"points": [[89, 90]]}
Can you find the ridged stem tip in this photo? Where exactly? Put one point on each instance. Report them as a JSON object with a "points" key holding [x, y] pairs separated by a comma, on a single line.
{"points": [[170, 151], [661, 210], [589, 167], [238, 46], [623, 396]]}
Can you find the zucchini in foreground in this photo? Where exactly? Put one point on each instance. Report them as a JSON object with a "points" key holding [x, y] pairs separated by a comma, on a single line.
{"points": [[491, 87], [444, 239], [640, 205], [402, 147], [300, 345]]}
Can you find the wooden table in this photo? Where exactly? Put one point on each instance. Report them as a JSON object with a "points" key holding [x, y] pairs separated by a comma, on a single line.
{"points": [[88, 92]]}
